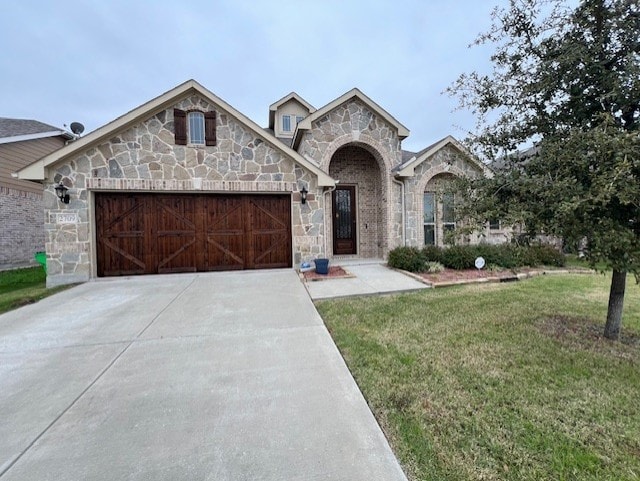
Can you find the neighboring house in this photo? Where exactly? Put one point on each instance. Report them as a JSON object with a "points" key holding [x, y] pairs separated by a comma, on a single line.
{"points": [[185, 182], [21, 210]]}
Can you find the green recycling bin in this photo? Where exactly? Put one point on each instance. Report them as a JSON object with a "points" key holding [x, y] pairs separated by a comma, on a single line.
{"points": [[41, 258]]}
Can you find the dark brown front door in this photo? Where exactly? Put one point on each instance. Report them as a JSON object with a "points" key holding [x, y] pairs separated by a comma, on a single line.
{"points": [[344, 220], [158, 233]]}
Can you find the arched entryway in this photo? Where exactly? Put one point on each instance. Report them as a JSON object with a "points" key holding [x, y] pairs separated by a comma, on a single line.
{"points": [[358, 208]]}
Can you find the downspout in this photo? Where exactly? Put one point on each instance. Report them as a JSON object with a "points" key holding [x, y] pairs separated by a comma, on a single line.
{"points": [[404, 232], [326, 230]]}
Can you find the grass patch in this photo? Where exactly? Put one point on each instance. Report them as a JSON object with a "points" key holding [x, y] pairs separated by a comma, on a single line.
{"points": [[20, 287], [575, 261], [503, 381]]}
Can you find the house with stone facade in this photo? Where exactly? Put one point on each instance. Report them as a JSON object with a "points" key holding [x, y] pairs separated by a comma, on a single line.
{"points": [[185, 182], [22, 141]]}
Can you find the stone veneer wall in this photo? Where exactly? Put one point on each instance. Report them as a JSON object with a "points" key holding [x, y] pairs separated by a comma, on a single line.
{"points": [[351, 117], [145, 158], [445, 161], [353, 123], [22, 234], [355, 166]]}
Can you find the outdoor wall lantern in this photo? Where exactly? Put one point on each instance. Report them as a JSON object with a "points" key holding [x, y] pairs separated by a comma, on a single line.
{"points": [[303, 195], [61, 192]]}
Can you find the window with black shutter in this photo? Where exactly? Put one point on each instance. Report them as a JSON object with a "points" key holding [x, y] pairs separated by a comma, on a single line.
{"points": [[180, 126], [194, 128], [210, 128]]}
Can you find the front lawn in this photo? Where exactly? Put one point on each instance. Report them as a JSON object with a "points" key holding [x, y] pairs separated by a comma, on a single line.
{"points": [[23, 286], [500, 381]]}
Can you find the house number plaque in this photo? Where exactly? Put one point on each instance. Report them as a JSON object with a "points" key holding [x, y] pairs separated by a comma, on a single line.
{"points": [[67, 218]]}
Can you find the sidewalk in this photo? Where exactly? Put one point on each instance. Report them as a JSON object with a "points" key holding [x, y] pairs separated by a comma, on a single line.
{"points": [[370, 277]]}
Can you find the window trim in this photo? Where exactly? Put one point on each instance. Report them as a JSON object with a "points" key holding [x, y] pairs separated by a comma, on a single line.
{"points": [[434, 223], [442, 223], [448, 225], [190, 127], [181, 123], [288, 122]]}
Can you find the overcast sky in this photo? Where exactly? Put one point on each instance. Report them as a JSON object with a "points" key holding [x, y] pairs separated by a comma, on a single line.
{"points": [[92, 61]]}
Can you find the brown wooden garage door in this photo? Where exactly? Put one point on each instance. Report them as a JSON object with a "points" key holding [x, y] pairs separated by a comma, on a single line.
{"points": [[160, 233]]}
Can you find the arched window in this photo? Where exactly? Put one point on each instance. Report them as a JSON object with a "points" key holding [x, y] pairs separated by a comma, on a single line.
{"points": [[438, 219], [429, 219]]}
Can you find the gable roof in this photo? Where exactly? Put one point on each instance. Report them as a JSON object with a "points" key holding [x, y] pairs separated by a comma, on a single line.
{"points": [[17, 130], [37, 170], [407, 169], [354, 93], [276, 105]]}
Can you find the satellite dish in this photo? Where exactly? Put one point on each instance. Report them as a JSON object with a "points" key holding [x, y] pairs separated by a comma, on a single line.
{"points": [[479, 262], [76, 127]]}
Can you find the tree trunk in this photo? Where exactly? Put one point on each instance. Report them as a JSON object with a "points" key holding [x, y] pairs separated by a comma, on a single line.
{"points": [[616, 300]]}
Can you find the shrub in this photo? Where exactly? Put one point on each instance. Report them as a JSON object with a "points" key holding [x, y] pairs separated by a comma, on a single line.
{"points": [[459, 257], [432, 253], [434, 267], [509, 256], [407, 258], [505, 256], [544, 254]]}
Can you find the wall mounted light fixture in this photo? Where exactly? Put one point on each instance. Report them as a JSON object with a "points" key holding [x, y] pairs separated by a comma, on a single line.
{"points": [[303, 195], [61, 192]]}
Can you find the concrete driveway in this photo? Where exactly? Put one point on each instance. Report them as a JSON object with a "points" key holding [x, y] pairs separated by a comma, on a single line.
{"points": [[224, 376]]}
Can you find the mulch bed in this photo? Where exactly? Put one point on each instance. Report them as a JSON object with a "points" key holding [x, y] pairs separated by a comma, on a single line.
{"points": [[450, 275], [335, 272]]}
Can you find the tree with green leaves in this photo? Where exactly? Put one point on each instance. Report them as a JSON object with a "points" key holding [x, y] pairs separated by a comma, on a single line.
{"points": [[565, 82]]}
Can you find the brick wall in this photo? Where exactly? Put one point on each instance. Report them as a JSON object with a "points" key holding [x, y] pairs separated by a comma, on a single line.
{"points": [[355, 166], [21, 227]]}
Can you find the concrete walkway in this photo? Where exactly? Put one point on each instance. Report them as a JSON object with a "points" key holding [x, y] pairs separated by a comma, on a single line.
{"points": [[370, 277], [225, 376]]}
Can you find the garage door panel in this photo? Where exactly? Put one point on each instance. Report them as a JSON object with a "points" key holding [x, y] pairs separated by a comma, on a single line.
{"points": [[224, 214], [225, 252], [176, 233], [163, 233], [224, 226], [270, 250], [270, 231], [123, 257], [175, 254], [269, 213], [121, 224]]}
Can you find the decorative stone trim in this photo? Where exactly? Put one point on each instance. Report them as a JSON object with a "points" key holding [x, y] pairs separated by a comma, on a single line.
{"points": [[101, 183], [361, 140], [437, 170]]}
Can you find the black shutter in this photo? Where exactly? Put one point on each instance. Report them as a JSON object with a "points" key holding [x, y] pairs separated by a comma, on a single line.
{"points": [[180, 126], [210, 128]]}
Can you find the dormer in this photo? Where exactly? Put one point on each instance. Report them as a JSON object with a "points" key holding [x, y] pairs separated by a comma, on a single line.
{"points": [[285, 114]]}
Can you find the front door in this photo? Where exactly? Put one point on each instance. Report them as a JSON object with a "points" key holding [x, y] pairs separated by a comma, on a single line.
{"points": [[344, 220]]}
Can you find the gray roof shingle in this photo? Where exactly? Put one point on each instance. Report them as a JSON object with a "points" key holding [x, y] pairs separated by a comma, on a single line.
{"points": [[17, 127]]}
